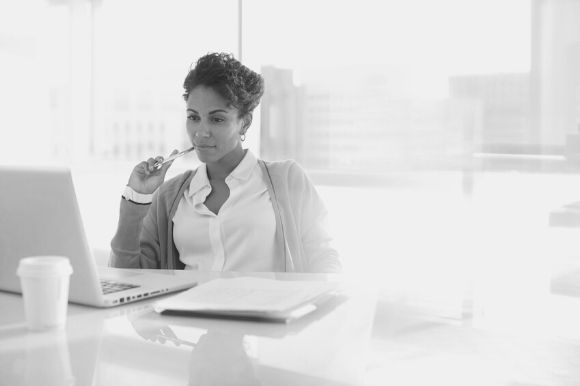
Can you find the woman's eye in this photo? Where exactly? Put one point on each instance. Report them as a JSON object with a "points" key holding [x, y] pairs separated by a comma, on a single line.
{"points": [[193, 117], [218, 119]]}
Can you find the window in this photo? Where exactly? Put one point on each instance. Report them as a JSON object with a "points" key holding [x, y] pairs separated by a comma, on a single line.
{"points": [[97, 86], [371, 86], [447, 122]]}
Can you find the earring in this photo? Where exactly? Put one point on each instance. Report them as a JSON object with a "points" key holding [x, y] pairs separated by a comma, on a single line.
{"points": [[243, 137]]}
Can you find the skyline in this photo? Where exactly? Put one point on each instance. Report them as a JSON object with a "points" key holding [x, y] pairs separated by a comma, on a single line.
{"points": [[85, 94]]}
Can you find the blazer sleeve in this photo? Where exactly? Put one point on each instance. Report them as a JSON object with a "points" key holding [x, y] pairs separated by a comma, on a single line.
{"points": [[320, 255], [136, 243]]}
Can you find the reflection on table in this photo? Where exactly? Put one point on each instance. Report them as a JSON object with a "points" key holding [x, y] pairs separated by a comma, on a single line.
{"points": [[498, 328], [133, 344]]}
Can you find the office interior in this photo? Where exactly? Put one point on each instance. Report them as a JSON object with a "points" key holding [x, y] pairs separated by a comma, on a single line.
{"points": [[443, 137]]}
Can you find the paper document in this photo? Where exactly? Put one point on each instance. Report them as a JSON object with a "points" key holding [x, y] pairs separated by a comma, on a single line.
{"points": [[250, 297]]}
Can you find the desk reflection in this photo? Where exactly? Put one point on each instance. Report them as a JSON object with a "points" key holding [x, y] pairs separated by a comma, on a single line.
{"points": [[132, 344], [50, 363], [230, 352], [217, 358], [50, 357]]}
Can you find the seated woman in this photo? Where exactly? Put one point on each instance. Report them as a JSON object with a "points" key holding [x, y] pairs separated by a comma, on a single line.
{"points": [[234, 212]]}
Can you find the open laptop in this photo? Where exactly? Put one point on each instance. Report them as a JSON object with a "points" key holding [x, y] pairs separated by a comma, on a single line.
{"points": [[39, 215]]}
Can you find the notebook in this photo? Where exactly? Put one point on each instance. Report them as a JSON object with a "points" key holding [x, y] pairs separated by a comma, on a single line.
{"points": [[250, 298], [39, 215]]}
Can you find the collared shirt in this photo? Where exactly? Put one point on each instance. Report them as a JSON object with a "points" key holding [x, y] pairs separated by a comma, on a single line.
{"points": [[241, 237]]}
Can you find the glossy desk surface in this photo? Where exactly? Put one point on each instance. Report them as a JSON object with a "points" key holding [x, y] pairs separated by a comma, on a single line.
{"points": [[367, 337]]}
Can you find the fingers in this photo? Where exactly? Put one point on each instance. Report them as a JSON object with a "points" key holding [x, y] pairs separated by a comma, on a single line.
{"points": [[142, 167], [151, 165]]}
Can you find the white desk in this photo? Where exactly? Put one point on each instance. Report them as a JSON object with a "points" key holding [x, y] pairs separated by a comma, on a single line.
{"points": [[133, 345], [392, 339]]}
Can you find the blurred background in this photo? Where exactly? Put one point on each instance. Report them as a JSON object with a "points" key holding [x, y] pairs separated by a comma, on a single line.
{"points": [[443, 136]]}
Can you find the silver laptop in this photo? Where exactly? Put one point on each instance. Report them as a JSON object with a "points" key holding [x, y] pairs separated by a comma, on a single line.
{"points": [[39, 215]]}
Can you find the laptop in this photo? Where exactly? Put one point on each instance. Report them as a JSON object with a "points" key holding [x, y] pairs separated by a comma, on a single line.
{"points": [[39, 215]]}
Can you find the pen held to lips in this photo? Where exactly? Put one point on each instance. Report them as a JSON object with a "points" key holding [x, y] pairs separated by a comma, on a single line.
{"points": [[158, 165]]}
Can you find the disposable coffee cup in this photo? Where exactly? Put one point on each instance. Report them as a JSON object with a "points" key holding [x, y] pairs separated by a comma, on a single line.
{"points": [[45, 281]]}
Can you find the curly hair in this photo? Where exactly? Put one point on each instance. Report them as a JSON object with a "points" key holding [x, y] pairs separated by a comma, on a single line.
{"points": [[239, 85]]}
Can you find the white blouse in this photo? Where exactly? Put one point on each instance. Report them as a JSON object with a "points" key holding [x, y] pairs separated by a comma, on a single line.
{"points": [[241, 236]]}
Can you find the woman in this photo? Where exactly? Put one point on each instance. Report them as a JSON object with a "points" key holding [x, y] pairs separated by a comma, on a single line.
{"points": [[234, 212]]}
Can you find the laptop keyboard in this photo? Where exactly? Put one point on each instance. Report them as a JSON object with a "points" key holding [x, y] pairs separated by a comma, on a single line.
{"points": [[109, 286]]}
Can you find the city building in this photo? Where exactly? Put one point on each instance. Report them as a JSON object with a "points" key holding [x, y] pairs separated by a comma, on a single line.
{"points": [[347, 120], [555, 77], [505, 103]]}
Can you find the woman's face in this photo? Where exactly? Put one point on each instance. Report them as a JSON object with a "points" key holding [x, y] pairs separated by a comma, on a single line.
{"points": [[213, 126]]}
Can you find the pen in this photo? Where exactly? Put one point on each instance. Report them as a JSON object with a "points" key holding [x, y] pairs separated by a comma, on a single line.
{"points": [[158, 164]]}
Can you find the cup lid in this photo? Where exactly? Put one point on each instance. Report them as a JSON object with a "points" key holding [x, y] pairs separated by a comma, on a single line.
{"points": [[44, 266]]}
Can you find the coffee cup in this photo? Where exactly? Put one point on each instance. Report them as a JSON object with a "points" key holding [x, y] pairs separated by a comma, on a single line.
{"points": [[45, 283]]}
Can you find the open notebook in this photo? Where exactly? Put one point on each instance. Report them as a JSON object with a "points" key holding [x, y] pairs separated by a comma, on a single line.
{"points": [[250, 298]]}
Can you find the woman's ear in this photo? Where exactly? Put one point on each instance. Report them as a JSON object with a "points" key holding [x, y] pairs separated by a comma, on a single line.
{"points": [[246, 122]]}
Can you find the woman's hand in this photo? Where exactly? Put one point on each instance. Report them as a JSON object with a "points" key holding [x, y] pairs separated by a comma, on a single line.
{"points": [[145, 178]]}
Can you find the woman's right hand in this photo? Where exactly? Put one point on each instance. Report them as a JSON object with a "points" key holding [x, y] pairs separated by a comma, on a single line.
{"points": [[145, 178]]}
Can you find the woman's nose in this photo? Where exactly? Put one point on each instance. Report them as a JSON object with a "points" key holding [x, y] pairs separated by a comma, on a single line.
{"points": [[201, 132]]}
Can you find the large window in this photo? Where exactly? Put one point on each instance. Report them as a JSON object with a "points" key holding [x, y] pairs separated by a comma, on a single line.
{"points": [[96, 85], [374, 86], [447, 121], [351, 86]]}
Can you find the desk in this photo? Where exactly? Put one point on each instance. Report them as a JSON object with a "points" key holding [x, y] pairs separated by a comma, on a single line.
{"points": [[133, 345], [370, 338]]}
